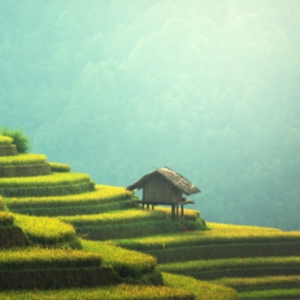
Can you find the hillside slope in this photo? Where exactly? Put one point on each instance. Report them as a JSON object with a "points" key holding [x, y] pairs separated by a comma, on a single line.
{"points": [[60, 216]]}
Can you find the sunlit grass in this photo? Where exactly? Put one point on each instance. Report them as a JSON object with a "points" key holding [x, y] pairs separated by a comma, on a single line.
{"points": [[120, 291], [58, 167], [260, 283], [47, 180], [102, 194], [124, 262], [22, 159], [45, 230], [201, 289], [41, 258], [114, 217], [293, 293], [5, 140], [198, 266], [188, 213], [218, 234], [6, 218]]}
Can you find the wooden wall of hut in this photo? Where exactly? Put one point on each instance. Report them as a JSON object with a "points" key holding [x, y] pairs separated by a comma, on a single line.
{"points": [[157, 189]]}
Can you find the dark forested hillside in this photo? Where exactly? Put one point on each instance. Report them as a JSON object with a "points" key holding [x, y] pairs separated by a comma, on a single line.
{"points": [[209, 88]]}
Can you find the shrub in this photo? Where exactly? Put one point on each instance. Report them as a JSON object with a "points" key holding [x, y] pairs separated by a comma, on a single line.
{"points": [[21, 141]]}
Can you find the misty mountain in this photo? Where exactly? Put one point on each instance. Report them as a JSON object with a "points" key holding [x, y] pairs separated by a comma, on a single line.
{"points": [[209, 88]]}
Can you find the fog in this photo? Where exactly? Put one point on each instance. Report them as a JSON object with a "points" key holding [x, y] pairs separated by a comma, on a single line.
{"points": [[208, 88]]}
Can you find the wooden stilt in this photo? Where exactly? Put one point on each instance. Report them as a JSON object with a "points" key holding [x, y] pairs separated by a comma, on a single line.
{"points": [[182, 209], [143, 205], [177, 212], [152, 206], [173, 211], [147, 206]]}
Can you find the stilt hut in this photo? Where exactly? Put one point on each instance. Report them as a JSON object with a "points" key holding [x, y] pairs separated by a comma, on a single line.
{"points": [[165, 187]]}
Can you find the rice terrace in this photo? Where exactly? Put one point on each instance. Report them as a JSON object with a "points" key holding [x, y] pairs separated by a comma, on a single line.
{"points": [[63, 236]]}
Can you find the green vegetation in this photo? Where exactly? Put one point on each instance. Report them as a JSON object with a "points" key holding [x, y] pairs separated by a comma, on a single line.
{"points": [[102, 199], [272, 294], [262, 283], [201, 289], [219, 234], [6, 218], [130, 230], [54, 179], [127, 224], [5, 140], [21, 141], [126, 263], [44, 258], [53, 184], [115, 217], [235, 267], [72, 210], [58, 167], [2, 205], [121, 291], [101, 195], [66, 252], [47, 231], [23, 159], [25, 170]]}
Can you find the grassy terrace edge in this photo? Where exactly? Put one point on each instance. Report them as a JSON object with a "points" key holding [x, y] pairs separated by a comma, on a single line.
{"points": [[56, 179], [202, 238], [47, 231], [234, 267], [47, 258], [261, 283], [5, 140], [22, 159], [176, 287], [102, 194]]}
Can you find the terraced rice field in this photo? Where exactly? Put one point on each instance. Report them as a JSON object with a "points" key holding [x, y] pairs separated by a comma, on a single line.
{"points": [[78, 234], [22, 159], [102, 199]]}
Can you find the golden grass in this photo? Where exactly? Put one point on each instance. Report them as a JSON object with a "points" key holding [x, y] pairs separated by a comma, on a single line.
{"points": [[22, 159], [259, 283], [6, 218], [201, 289], [58, 167], [45, 230], [230, 263], [124, 262], [272, 294], [102, 194], [5, 140], [120, 291], [114, 217], [188, 213], [218, 234], [47, 180], [43, 258]]}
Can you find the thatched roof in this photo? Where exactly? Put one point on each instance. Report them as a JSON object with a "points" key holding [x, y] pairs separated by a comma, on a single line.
{"points": [[174, 178]]}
